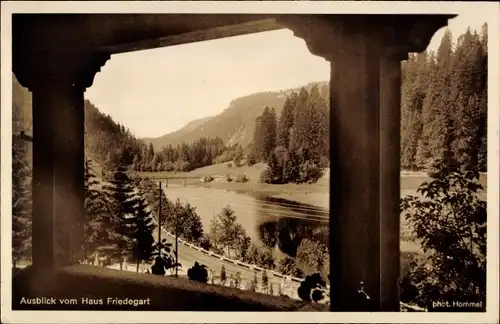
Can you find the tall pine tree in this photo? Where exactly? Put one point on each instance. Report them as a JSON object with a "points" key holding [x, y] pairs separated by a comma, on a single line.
{"points": [[21, 202], [123, 201], [142, 229], [437, 133], [264, 139], [286, 121], [467, 86], [299, 133], [98, 227]]}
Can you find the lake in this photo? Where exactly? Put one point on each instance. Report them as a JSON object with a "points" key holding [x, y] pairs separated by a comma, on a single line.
{"points": [[270, 221]]}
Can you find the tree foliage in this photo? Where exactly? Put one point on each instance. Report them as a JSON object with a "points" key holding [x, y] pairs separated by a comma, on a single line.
{"points": [[198, 273], [183, 220], [226, 233], [312, 257], [444, 104], [98, 226], [164, 260], [252, 285], [450, 221], [142, 229], [21, 202], [312, 288], [130, 223], [265, 281], [302, 127], [223, 275], [287, 266]]}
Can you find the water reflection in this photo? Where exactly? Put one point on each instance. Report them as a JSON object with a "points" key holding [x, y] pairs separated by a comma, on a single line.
{"points": [[270, 221]]}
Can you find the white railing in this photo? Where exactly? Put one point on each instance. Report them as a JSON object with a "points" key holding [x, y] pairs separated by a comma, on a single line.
{"points": [[229, 260]]}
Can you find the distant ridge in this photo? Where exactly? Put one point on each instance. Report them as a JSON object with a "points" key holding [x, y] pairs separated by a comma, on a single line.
{"points": [[233, 125]]}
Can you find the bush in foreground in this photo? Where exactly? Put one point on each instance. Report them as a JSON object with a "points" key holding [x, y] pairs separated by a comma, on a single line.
{"points": [[450, 220], [241, 178], [312, 288], [198, 273]]}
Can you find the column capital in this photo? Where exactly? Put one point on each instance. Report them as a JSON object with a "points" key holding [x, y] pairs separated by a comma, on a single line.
{"points": [[390, 35], [36, 70]]}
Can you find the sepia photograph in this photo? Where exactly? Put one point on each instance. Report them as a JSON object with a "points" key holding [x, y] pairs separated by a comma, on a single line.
{"points": [[288, 160]]}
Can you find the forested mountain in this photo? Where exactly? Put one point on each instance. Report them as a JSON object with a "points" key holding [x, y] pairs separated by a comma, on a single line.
{"points": [[177, 136], [234, 125]]}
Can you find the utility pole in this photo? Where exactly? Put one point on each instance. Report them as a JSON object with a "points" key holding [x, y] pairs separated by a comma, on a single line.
{"points": [[176, 244], [159, 223]]}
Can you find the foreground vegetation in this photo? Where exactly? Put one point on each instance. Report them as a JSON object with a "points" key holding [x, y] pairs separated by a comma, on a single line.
{"points": [[450, 222]]}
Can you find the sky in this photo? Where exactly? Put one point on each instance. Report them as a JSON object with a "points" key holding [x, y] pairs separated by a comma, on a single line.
{"points": [[158, 91]]}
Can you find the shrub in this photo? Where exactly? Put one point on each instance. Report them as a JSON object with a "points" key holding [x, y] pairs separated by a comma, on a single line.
{"points": [[250, 159], [229, 165], [450, 221], [163, 258], [266, 176], [216, 250], [287, 267], [237, 280], [223, 276], [252, 285], [205, 242], [228, 178], [242, 178], [198, 273], [265, 281], [312, 257], [262, 257], [324, 162], [208, 178], [184, 166], [231, 281], [237, 161], [312, 288], [309, 172]]}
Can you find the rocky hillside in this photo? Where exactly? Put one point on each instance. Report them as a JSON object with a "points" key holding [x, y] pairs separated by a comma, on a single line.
{"points": [[235, 124]]}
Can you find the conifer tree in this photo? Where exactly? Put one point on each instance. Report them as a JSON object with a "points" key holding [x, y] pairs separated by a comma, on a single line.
{"points": [[316, 125], [123, 201], [237, 280], [437, 133], [98, 227], [482, 153], [413, 94], [467, 87], [275, 169], [21, 202], [143, 227], [265, 281], [286, 121], [223, 275], [291, 171], [299, 135]]}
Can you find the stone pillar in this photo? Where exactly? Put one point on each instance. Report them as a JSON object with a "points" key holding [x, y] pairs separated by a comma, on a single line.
{"points": [[58, 167], [57, 81], [355, 186], [390, 125]]}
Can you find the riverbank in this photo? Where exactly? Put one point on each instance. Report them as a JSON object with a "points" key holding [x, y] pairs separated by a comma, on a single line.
{"points": [[316, 194]]}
